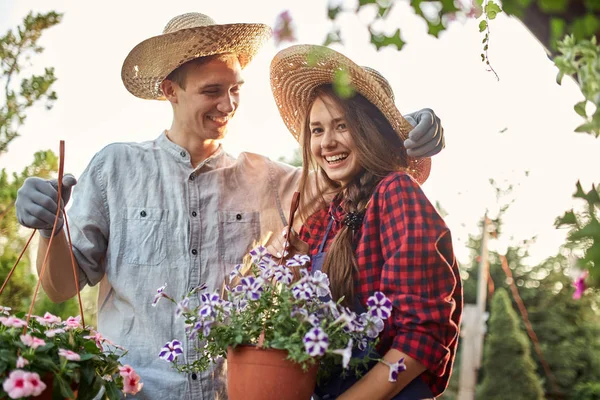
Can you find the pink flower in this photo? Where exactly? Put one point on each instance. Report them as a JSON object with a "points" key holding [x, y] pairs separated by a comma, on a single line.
{"points": [[580, 285], [52, 332], [284, 31], [99, 339], [69, 355], [131, 383], [73, 322], [5, 310], [32, 341], [48, 319], [13, 322], [21, 362], [126, 370], [36, 383], [17, 385]]}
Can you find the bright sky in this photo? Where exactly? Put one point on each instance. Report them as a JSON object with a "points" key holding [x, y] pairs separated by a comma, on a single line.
{"points": [[87, 50]]}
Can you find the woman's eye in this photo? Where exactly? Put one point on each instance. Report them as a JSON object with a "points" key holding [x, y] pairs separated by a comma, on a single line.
{"points": [[316, 130], [342, 127]]}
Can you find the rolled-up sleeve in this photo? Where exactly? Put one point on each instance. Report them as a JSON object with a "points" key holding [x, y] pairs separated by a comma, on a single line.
{"points": [[420, 274], [89, 223]]}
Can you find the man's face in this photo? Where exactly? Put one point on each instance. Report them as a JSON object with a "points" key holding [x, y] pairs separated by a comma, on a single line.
{"points": [[210, 98]]}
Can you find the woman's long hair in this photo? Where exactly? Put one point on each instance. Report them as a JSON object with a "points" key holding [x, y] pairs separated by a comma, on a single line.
{"points": [[379, 151]]}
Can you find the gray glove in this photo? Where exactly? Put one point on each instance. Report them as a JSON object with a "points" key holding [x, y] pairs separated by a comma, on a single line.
{"points": [[36, 203], [427, 137]]}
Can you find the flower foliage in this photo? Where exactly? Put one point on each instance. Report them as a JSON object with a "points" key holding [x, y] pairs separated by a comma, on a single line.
{"points": [[59, 356], [278, 306]]}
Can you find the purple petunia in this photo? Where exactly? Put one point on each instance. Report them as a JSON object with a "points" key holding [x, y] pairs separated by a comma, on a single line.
{"points": [[159, 295], [298, 260], [252, 287], [395, 369], [379, 306], [316, 342], [171, 351]]}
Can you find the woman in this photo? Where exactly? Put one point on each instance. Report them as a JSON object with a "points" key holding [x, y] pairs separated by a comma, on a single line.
{"points": [[380, 232]]}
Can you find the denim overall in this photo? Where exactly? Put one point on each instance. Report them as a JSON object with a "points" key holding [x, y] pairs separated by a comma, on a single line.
{"points": [[415, 390]]}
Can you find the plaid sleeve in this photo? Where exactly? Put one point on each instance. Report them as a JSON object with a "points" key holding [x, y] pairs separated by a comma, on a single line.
{"points": [[419, 275]]}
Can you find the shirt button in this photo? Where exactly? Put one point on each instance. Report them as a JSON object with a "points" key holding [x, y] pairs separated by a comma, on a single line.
{"points": [[194, 251], [238, 217], [182, 154], [194, 376], [194, 213], [192, 177], [143, 214]]}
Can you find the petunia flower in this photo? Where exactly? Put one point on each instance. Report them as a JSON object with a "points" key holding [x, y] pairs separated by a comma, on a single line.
{"points": [[395, 369], [21, 362], [298, 260], [69, 355], [32, 341], [159, 294], [258, 253], [283, 275], [345, 353], [17, 385], [303, 291], [379, 306], [252, 287], [132, 384], [171, 351], [182, 306], [48, 319], [73, 322], [13, 322], [320, 282], [316, 342]]}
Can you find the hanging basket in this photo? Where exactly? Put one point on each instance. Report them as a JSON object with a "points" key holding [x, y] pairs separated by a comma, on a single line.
{"points": [[255, 373]]}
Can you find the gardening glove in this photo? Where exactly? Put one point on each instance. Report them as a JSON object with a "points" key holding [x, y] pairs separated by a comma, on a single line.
{"points": [[36, 203], [427, 137]]}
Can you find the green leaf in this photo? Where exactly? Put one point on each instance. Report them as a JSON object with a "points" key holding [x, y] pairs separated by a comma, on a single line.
{"points": [[591, 231], [492, 9], [553, 6], [483, 26], [580, 108], [332, 12], [63, 386], [588, 127], [380, 40], [568, 218], [342, 84], [112, 391]]}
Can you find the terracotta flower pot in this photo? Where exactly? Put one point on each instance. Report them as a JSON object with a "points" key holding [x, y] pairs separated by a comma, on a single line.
{"points": [[265, 374]]}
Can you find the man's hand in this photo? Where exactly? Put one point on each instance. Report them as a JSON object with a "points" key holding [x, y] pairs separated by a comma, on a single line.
{"points": [[427, 137], [37, 200]]}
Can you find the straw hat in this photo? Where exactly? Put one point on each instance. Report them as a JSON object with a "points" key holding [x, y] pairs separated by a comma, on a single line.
{"points": [[298, 70], [186, 37]]}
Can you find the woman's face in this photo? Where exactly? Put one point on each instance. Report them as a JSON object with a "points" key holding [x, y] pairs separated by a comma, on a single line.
{"points": [[331, 142]]}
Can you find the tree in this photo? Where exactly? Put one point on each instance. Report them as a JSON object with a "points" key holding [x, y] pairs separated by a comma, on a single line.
{"points": [[15, 49], [509, 370]]}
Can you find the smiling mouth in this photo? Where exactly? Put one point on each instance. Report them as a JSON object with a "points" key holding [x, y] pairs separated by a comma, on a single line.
{"points": [[219, 120], [338, 158]]}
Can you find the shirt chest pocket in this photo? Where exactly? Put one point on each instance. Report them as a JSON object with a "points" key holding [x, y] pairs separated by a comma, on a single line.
{"points": [[238, 230], [144, 235]]}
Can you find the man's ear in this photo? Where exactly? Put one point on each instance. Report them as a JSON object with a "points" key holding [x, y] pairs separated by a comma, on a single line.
{"points": [[168, 88]]}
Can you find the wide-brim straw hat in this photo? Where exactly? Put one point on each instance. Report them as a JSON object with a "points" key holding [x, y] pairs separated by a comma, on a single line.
{"points": [[298, 70], [185, 38]]}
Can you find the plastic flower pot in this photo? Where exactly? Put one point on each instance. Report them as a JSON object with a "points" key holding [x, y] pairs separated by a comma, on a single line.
{"points": [[255, 373]]}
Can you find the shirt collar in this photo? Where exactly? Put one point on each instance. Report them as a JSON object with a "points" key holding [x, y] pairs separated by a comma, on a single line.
{"points": [[216, 160]]}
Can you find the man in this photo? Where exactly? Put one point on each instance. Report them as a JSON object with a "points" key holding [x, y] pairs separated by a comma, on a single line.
{"points": [[177, 209]]}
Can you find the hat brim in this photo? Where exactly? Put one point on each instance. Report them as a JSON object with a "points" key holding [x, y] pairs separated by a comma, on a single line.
{"points": [[298, 70], [152, 60]]}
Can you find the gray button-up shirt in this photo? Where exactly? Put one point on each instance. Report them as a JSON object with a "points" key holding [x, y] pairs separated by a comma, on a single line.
{"points": [[142, 216]]}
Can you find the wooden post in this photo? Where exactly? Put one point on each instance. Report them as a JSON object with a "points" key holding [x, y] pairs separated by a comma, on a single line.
{"points": [[473, 326]]}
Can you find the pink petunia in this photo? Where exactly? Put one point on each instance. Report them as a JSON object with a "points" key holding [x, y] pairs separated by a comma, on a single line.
{"points": [[73, 322], [37, 386], [32, 341], [21, 362], [126, 370], [132, 384], [17, 385], [13, 322], [53, 332], [69, 355], [48, 319]]}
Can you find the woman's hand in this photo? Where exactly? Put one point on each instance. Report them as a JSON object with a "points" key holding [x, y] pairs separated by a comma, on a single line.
{"points": [[280, 247]]}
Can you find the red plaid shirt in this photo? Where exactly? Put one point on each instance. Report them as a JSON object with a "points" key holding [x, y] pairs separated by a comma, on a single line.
{"points": [[404, 249]]}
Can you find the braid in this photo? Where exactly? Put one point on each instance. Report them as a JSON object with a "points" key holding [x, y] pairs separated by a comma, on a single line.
{"points": [[340, 263]]}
